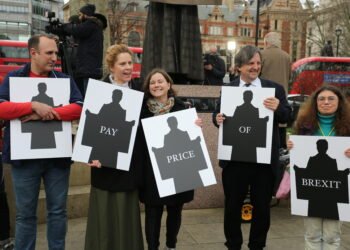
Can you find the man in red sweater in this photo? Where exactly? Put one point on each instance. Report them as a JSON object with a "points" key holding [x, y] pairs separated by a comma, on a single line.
{"points": [[27, 174]]}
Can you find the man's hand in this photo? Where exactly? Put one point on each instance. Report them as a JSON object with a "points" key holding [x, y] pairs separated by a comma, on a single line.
{"points": [[45, 111], [31, 117], [271, 103], [208, 67]]}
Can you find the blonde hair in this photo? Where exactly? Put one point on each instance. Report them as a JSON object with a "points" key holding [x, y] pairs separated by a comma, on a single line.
{"points": [[113, 52]]}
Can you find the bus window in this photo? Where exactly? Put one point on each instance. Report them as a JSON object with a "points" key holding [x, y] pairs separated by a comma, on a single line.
{"points": [[137, 58]]}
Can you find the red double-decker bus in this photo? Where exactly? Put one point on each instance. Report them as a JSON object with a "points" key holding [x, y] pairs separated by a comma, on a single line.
{"points": [[13, 54], [311, 72]]}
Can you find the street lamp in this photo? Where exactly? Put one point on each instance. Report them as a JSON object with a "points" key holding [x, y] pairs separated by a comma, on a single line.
{"points": [[257, 22], [338, 33], [231, 46]]}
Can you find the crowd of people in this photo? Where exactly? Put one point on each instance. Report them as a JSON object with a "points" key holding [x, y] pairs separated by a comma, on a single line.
{"points": [[114, 220]]}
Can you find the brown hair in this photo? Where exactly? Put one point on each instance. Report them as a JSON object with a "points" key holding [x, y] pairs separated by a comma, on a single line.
{"points": [[114, 51], [147, 82], [307, 119], [34, 40]]}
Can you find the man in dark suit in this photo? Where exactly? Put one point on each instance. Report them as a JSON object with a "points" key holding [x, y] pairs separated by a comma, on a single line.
{"points": [[238, 176]]}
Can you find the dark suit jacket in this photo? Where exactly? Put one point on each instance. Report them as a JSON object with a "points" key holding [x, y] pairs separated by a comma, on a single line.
{"points": [[280, 116]]}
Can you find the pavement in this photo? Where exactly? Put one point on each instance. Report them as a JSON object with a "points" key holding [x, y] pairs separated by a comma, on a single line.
{"points": [[202, 229]]}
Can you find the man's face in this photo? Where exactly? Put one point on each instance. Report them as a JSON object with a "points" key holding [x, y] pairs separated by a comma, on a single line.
{"points": [[81, 17], [43, 59], [251, 70]]}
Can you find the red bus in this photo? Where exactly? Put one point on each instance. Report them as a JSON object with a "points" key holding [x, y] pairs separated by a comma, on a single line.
{"points": [[137, 59], [13, 54], [311, 72]]}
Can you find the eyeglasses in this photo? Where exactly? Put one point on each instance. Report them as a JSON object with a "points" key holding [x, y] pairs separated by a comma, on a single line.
{"points": [[329, 98]]}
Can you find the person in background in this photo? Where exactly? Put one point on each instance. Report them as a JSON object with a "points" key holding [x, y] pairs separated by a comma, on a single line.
{"points": [[325, 113], [327, 50], [233, 73], [214, 68], [114, 214], [160, 99], [27, 174], [6, 242], [238, 176], [276, 67], [89, 34]]}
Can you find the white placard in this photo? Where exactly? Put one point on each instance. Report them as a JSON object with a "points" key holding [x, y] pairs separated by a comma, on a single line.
{"points": [[178, 152], [304, 154], [246, 148], [40, 139], [113, 136]]}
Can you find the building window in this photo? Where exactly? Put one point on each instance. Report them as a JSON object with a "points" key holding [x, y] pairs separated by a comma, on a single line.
{"points": [[296, 26], [260, 34], [215, 30], [246, 19], [294, 51], [134, 39], [309, 51], [276, 24], [230, 31]]}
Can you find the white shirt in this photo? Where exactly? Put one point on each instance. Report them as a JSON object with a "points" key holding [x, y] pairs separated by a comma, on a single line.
{"points": [[255, 83]]}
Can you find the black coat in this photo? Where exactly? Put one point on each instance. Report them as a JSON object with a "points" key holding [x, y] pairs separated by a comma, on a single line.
{"points": [[149, 191], [281, 115], [115, 180], [217, 74], [90, 49]]}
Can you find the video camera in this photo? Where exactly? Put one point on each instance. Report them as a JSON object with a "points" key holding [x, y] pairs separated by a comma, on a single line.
{"points": [[55, 26]]}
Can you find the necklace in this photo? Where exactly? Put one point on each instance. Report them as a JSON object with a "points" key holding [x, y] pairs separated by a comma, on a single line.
{"points": [[330, 132]]}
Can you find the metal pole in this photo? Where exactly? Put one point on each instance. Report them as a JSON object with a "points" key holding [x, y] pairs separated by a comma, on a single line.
{"points": [[337, 44], [257, 22]]}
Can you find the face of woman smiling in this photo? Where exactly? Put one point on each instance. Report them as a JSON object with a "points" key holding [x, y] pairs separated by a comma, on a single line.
{"points": [[122, 68], [327, 102], [159, 87]]}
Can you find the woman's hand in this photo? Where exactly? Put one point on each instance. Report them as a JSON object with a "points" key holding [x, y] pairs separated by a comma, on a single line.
{"points": [[347, 152], [220, 118], [95, 164], [290, 145], [199, 122]]}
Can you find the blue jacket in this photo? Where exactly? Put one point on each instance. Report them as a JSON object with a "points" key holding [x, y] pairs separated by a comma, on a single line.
{"points": [[75, 97]]}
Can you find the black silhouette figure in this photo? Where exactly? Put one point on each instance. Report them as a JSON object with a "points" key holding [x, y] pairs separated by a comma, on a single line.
{"points": [[108, 132], [180, 158], [322, 184], [43, 132], [245, 131]]}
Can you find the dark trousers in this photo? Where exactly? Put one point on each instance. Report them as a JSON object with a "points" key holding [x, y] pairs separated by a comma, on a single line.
{"points": [[283, 137], [4, 209], [237, 178], [153, 217]]}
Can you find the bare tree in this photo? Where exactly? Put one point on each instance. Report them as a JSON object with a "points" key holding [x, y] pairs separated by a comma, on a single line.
{"points": [[120, 19], [324, 20]]}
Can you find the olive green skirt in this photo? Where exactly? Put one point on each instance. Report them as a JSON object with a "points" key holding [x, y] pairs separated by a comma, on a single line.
{"points": [[114, 221]]}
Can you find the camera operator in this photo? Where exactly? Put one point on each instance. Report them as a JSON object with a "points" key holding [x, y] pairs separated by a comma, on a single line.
{"points": [[89, 34], [214, 68]]}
